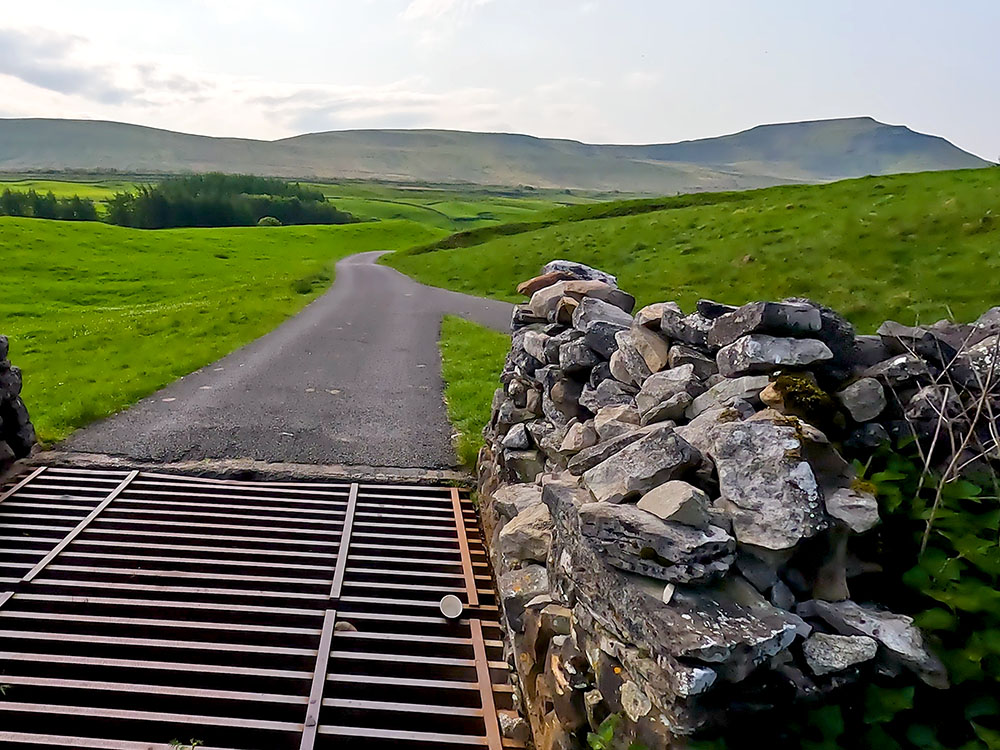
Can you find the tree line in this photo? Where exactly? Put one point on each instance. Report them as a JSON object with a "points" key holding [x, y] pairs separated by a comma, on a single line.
{"points": [[32, 204], [208, 200], [221, 200]]}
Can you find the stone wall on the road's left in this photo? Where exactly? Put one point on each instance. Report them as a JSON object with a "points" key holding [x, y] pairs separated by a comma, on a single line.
{"points": [[17, 436]]}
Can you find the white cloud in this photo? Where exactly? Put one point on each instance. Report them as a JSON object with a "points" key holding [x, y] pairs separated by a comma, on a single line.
{"points": [[50, 74], [638, 80], [403, 104], [434, 10]]}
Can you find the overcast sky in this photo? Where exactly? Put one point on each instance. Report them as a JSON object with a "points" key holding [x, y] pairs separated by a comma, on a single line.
{"points": [[608, 71]]}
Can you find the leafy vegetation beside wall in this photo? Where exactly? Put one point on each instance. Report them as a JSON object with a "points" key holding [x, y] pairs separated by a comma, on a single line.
{"points": [[951, 589]]}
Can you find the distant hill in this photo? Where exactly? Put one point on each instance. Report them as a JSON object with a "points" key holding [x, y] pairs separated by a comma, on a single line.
{"points": [[815, 151]]}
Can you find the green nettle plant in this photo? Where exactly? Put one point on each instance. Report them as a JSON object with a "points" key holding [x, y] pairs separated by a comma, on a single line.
{"points": [[941, 537], [604, 737], [938, 548]]}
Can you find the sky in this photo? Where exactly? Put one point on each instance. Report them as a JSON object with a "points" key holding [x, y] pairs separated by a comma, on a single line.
{"points": [[600, 71]]}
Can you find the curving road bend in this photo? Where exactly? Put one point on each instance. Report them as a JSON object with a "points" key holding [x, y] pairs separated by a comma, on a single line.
{"points": [[354, 379]]}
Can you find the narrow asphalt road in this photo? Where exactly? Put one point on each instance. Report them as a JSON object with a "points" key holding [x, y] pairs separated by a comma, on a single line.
{"points": [[353, 379]]}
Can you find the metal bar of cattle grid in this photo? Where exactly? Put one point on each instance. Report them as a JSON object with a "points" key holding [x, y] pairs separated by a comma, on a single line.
{"points": [[30, 575], [319, 680], [343, 551], [493, 739], [23, 483], [471, 590]]}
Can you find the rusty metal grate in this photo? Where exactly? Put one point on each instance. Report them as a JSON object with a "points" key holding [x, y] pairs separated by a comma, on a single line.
{"points": [[138, 608]]}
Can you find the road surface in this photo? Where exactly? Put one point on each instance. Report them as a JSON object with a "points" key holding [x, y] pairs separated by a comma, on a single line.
{"points": [[353, 379]]}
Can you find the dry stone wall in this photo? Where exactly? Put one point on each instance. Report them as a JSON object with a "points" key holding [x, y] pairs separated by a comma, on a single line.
{"points": [[670, 508], [17, 436]]}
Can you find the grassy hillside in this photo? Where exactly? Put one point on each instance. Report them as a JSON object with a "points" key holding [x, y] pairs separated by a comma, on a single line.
{"points": [[827, 149], [906, 247], [767, 155], [100, 316]]}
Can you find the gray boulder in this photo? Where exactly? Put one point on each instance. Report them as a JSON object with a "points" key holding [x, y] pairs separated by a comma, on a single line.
{"points": [[579, 271], [834, 653], [869, 351], [592, 310], [650, 315], [557, 341], [679, 502], [710, 309], [687, 329], [989, 319], [517, 588], [902, 339], [701, 431], [653, 347], [600, 373], [527, 538], [612, 421], [768, 490], [523, 316], [525, 465], [775, 318], [670, 409], [760, 353], [575, 357], [983, 360], [680, 355], [857, 509], [634, 540], [534, 344], [900, 371], [662, 385], [868, 437], [896, 633], [864, 399], [601, 336], [933, 403], [517, 438], [659, 456], [727, 392], [588, 458], [545, 302], [835, 330], [579, 436], [511, 499], [614, 428], [608, 393], [628, 364]]}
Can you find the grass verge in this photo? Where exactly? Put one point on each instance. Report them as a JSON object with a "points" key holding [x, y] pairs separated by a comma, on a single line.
{"points": [[101, 316], [472, 358]]}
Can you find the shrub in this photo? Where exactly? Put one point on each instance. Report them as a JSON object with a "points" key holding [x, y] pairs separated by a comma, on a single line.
{"points": [[268, 221]]}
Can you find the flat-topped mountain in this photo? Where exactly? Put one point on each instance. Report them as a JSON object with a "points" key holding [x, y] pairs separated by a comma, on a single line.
{"points": [[813, 151]]}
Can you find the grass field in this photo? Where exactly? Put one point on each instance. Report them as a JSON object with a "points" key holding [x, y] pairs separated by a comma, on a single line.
{"points": [[451, 210], [906, 247], [472, 358], [100, 316], [96, 191]]}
